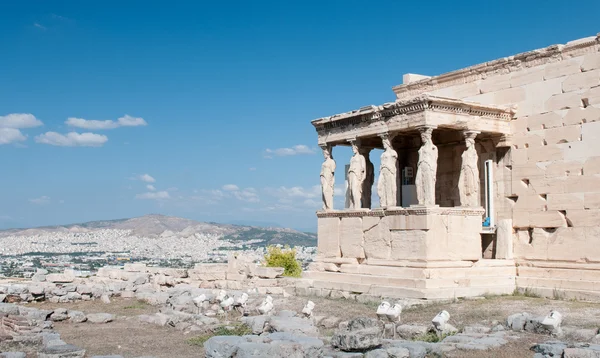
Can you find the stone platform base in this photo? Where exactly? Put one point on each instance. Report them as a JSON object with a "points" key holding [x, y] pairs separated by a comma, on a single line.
{"points": [[558, 280], [420, 280]]}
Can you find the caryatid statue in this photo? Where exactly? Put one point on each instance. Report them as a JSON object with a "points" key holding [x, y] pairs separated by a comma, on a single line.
{"points": [[387, 186], [426, 169], [468, 181], [327, 177], [369, 179], [356, 177]]}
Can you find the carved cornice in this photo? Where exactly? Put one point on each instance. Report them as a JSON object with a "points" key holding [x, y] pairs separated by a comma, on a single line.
{"points": [[413, 106], [399, 211], [504, 65]]}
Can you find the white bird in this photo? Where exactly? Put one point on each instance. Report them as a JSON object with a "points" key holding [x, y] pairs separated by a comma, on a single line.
{"points": [[227, 303], [382, 310], [393, 313], [308, 308], [221, 296], [266, 306]]}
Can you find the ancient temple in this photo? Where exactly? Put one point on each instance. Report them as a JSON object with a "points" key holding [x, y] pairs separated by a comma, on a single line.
{"points": [[489, 181]]}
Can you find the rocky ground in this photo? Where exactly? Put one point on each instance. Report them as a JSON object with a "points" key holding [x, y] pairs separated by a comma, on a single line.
{"points": [[485, 332]]}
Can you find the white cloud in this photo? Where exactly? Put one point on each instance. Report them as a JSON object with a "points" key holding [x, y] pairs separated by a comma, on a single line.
{"points": [[295, 192], [11, 135], [41, 200], [39, 26], [19, 120], [295, 150], [252, 169], [72, 139], [249, 194], [230, 187], [93, 124], [150, 187], [129, 121], [156, 195], [146, 178]]}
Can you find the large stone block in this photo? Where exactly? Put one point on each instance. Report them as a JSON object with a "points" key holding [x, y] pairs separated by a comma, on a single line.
{"points": [[581, 115], [528, 140], [531, 202], [591, 62], [592, 96], [592, 166], [582, 184], [544, 121], [582, 80], [520, 218], [563, 101], [459, 91], [526, 76], [495, 83], [527, 171], [561, 68], [351, 237], [581, 218], [565, 201], [328, 233], [377, 241], [504, 239], [569, 133], [591, 200], [409, 244], [545, 154], [547, 219], [537, 94], [560, 169]]}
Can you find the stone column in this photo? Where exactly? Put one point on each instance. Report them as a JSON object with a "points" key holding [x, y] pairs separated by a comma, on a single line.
{"points": [[426, 168], [356, 176], [468, 181], [367, 186], [327, 177], [387, 186]]}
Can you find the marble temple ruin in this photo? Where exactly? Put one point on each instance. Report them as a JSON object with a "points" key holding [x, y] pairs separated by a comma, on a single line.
{"points": [[489, 180]]}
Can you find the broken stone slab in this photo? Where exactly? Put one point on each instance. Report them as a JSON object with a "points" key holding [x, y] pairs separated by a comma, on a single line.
{"points": [[294, 325], [580, 353], [62, 351], [550, 348], [222, 346], [361, 334], [517, 321], [2, 297], [410, 331], [38, 278], [13, 355], [579, 334], [34, 313], [60, 278], [76, 316], [100, 317], [268, 272]]}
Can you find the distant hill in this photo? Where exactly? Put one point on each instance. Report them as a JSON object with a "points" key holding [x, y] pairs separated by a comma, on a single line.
{"points": [[155, 225]]}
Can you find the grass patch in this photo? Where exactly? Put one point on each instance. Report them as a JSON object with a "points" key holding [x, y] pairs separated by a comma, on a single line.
{"points": [[229, 330], [139, 305], [526, 292], [432, 337]]}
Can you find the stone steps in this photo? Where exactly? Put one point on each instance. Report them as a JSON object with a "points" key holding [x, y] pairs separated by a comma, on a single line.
{"points": [[558, 284], [559, 273]]}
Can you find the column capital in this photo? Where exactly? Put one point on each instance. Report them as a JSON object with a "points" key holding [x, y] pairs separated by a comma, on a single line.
{"points": [[426, 128], [470, 134]]}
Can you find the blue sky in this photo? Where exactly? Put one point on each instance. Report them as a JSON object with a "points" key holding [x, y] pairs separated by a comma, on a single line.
{"points": [[202, 109]]}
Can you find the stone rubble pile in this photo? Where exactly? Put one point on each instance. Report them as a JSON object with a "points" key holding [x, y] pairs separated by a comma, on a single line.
{"points": [[27, 329]]}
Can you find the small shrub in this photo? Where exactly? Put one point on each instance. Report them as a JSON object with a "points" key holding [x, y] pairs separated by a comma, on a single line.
{"points": [[276, 257]]}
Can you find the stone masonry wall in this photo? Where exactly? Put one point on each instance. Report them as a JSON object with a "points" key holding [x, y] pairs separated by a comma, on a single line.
{"points": [[548, 183]]}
